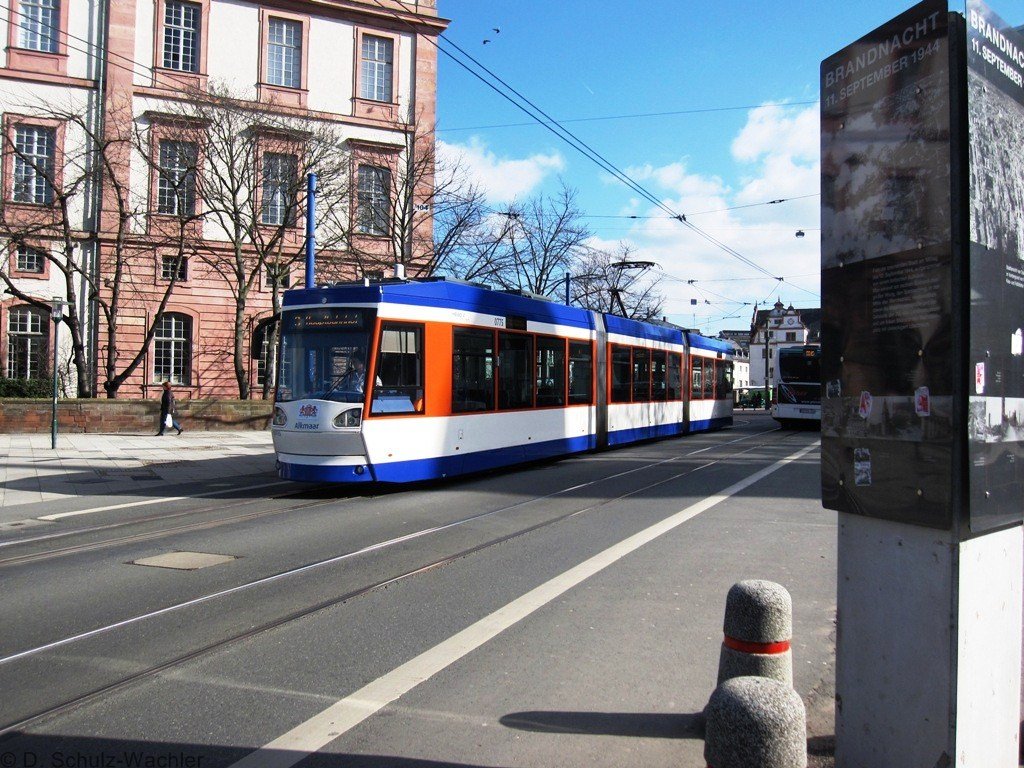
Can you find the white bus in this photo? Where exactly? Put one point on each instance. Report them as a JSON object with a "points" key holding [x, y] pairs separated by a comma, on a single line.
{"points": [[798, 386]]}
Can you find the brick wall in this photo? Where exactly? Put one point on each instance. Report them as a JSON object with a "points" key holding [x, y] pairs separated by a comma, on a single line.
{"points": [[131, 416]]}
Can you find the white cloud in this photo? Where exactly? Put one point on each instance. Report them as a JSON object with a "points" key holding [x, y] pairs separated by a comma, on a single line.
{"points": [[776, 154], [778, 130], [503, 179]]}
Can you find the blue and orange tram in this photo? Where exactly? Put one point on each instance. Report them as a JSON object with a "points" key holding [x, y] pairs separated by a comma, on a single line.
{"points": [[403, 380]]}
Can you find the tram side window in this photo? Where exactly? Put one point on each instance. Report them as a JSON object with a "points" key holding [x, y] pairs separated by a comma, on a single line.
{"points": [[709, 379], [515, 371], [674, 380], [581, 373], [724, 379], [399, 385], [658, 374], [622, 370], [641, 375], [472, 371], [697, 385], [550, 371]]}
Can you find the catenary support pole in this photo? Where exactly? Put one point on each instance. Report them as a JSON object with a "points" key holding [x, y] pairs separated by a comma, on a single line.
{"points": [[310, 230]]}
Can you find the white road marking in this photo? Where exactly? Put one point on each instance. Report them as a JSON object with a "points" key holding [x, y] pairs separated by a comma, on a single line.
{"points": [[334, 721], [163, 500]]}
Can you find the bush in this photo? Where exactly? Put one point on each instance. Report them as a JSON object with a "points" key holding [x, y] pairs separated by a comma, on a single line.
{"points": [[25, 387]]}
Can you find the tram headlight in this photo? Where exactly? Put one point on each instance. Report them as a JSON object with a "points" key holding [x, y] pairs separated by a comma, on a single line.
{"points": [[280, 419], [349, 418]]}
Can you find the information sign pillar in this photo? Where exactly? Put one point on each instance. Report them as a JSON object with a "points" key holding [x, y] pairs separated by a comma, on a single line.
{"points": [[923, 386]]}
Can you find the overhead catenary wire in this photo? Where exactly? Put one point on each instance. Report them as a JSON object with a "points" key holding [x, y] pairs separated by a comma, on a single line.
{"points": [[633, 116], [535, 112], [538, 114]]}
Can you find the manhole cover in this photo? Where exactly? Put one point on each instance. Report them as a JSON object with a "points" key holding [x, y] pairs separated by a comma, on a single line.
{"points": [[14, 525], [185, 561]]}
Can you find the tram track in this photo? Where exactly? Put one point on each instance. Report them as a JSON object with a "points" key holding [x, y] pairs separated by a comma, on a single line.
{"points": [[150, 519], [12, 728], [201, 525]]}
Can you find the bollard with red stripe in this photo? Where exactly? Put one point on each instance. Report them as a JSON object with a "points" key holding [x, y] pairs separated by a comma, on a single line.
{"points": [[758, 630], [754, 722]]}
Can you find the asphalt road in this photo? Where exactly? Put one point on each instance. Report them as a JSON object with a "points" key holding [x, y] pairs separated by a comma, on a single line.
{"points": [[567, 613]]}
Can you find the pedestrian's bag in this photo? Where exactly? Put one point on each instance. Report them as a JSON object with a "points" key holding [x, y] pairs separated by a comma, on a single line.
{"points": [[168, 421]]}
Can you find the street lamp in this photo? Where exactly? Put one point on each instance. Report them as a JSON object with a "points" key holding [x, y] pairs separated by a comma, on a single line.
{"points": [[56, 314]]}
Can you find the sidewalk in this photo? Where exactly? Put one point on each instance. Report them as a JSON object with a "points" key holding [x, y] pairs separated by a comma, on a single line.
{"points": [[97, 464]]}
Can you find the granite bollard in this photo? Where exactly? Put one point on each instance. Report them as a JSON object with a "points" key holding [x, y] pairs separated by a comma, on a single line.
{"points": [[754, 722], [758, 629]]}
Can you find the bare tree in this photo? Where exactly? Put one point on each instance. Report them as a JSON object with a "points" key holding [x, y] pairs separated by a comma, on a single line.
{"points": [[90, 227], [251, 180], [605, 282], [44, 218], [545, 238], [463, 240]]}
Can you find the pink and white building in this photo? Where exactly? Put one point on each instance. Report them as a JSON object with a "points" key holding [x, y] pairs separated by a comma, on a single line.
{"points": [[366, 67]]}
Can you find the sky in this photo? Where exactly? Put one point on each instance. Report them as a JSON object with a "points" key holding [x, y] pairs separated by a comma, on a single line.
{"points": [[708, 106]]}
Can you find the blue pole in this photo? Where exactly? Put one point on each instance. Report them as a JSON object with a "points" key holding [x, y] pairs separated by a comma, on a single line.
{"points": [[568, 281], [310, 229]]}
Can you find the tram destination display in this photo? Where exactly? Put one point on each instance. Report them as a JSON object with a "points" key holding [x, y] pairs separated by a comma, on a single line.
{"points": [[995, 397], [888, 426]]}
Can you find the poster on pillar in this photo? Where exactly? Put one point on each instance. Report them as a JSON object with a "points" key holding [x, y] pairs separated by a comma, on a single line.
{"points": [[887, 348], [995, 397]]}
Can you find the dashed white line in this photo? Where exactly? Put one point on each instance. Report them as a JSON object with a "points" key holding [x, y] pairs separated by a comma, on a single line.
{"points": [[162, 500]]}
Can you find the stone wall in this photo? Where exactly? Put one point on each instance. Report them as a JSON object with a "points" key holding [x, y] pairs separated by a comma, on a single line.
{"points": [[131, 416]]}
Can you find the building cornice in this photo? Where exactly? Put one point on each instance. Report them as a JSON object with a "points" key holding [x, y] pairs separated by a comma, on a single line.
{"points": [[387, 13]]}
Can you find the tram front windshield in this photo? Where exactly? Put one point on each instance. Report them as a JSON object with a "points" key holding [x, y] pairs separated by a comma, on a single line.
{"points": [[324, 354]]}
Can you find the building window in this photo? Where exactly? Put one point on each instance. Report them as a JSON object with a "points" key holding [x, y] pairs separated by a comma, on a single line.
{"points": [[173, 349], [28, 259], [284, 53], [181, 36], [26, 343], [262, 345], [176, 185], [790, 335], [39, 25], [377, 68], [174, 267], [374, 209], [280, 176], [279, 276], [35, 151]]}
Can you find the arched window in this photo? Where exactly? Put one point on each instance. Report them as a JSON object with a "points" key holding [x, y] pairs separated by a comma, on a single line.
{"points": [[27, 343], [172, 351]]}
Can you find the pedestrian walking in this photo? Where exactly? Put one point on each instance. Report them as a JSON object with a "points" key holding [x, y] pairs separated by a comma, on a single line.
{"points": [[167, 410]]}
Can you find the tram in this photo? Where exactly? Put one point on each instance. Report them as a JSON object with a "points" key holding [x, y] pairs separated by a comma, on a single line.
{"points": [[798, 386], [409, 380]]}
